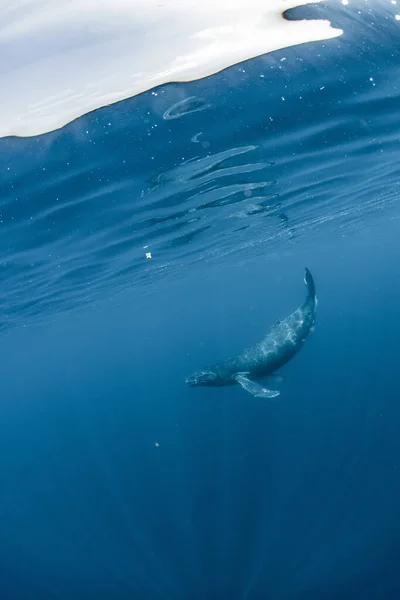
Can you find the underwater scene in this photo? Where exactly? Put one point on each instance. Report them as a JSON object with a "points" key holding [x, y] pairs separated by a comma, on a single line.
{"points": [[200, 300]]}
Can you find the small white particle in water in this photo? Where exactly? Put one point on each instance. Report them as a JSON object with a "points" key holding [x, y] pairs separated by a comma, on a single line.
{"points": [[345, 2], [284, 58], [397, 17], [283, 98], [371, 78], [157, 444], [394, 2], [148, 255], [322, 88], [262, 75]]}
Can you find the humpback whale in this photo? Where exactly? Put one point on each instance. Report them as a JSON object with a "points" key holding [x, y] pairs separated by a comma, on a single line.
{"points": [[258, 364]]}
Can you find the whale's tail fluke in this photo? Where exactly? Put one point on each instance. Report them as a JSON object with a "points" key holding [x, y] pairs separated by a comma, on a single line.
{"points": [[309, 281]]}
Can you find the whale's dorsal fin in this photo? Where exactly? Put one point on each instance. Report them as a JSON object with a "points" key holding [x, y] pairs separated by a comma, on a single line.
{"points": [[255, 389]]}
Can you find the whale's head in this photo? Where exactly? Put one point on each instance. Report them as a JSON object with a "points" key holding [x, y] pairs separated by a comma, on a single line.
{"points": [[204, 377]]}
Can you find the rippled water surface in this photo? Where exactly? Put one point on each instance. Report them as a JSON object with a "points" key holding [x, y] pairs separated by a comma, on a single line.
{"points": [[168, 230], [263, 155]]}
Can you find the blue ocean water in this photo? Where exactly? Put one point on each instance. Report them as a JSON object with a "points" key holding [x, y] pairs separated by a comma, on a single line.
{"points": [[117, 480]]}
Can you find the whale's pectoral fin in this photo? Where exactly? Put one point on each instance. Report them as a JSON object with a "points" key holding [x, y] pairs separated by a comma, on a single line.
{"points": [[255, 389]]}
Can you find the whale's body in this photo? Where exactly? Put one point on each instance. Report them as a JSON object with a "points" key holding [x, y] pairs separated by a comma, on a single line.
{"points": [[281, 344]]}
